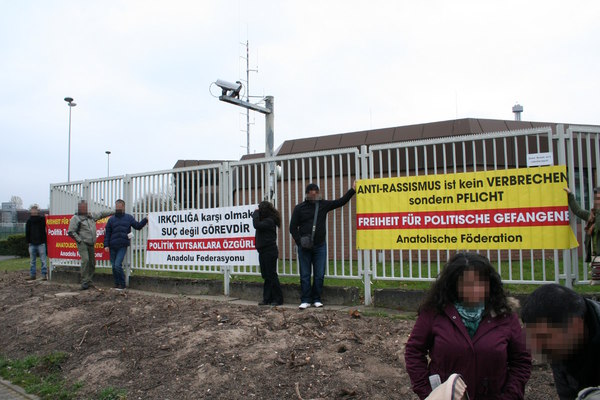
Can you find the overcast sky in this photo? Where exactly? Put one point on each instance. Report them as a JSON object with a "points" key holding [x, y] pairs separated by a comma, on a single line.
{"points": [[141, 73]]}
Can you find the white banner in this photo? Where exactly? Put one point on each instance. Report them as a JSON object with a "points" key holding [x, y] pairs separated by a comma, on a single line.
{"points": [[214, 236]]}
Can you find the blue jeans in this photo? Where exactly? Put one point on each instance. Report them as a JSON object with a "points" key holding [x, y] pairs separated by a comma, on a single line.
{"points": [[312, 261], [36, 250], [116, 259]]}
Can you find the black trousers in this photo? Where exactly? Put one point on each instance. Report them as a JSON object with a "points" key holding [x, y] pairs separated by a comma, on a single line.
{"points": [[267, 257]]}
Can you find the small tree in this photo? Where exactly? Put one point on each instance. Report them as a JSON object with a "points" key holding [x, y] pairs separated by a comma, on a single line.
{"points": [[17, 201]]}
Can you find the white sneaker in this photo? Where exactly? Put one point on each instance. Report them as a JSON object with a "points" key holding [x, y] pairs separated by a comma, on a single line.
{"points": [[318, 304], [304, 306]]}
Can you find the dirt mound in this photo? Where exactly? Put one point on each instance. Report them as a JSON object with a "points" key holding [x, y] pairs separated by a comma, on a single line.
{"points": [[158, 347]]}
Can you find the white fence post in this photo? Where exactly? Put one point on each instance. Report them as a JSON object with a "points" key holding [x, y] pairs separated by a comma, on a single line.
{"points": [[366, 259], [128, 199], [564, 146], [225, 197]]}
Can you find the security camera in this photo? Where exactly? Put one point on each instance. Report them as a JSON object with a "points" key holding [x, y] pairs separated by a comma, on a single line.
{"points": [[230, 89], [228, 85]]}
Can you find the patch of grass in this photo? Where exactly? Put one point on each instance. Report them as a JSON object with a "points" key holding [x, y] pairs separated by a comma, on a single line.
{"points": [[538, 269], [40, 376], [111, 393], [15, 264]]}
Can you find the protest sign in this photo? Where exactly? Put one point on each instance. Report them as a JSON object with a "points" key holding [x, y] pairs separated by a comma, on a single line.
{"points": [[215, 236], [61, 245], [522, 208]]}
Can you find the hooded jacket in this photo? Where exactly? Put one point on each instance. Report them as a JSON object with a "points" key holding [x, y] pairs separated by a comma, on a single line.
{"points": [[494, 363], [117, 228], [82, 227], [266, 231], [304, 213]]}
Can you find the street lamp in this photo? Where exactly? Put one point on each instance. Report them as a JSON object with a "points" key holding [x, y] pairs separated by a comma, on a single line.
{"points": [[107, 163], [69, 100]]}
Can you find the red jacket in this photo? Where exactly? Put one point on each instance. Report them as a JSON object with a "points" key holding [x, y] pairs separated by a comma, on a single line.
{"points": [[494, 363]]}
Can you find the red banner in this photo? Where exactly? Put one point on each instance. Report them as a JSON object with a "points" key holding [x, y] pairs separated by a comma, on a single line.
{"points": [[61, 245], [506, 217], [213, 244]]}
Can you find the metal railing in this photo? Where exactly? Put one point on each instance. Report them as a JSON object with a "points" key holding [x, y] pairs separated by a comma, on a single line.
{"points": [[246, 182]]}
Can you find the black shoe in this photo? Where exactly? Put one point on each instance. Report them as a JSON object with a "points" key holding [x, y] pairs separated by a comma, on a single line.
{"points": [[31, 278], [264, 303], [277, 303], [44, 277], [84, 287]]}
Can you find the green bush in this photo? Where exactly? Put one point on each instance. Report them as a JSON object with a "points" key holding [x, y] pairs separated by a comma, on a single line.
{"points": [[15, 245]]}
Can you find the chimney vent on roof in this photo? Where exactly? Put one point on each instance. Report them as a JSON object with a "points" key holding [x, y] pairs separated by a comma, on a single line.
{"points": [[517, 109]]}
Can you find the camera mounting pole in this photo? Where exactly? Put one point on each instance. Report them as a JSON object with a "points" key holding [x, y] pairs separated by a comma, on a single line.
{"points": [[268, 110]]}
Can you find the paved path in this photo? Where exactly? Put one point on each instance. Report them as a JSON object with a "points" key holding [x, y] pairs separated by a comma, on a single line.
{"points": [[8, 391], [2, 258]]}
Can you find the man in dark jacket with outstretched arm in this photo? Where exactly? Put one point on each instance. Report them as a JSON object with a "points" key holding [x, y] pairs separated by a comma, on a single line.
{"points": [[310, 236], [117, 239]]}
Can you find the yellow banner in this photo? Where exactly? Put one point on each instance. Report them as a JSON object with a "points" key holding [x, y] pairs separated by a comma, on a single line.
{"points": [[522, 208]]}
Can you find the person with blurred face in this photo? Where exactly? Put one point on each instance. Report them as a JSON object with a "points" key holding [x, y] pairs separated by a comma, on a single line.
{"points": [[266, 219], [592, 232], [310, 235], [118, 238], [563, 328], [466, 326], [35, 234], [82, 228]]}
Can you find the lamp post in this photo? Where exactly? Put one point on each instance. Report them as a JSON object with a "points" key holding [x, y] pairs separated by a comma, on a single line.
{"points": [[69, 100], [107, 163]]}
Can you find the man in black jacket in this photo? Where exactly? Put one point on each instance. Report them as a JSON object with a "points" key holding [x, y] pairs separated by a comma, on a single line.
{"points": [[310, 236], [564, 327], [35, 234]]}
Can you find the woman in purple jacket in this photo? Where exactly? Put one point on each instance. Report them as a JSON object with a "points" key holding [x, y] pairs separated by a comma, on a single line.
{"points": [[466, 326]]}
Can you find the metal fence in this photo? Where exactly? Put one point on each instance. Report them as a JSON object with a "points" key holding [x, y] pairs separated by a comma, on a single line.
{"points": [[472, 153], [11, 228], [249, 181], [579, 149]]}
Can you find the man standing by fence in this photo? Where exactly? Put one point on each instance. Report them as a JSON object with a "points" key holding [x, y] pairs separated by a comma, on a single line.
{"points": [[82, 229], [35, 235], [592, 232], [117, 240], [308, 229]]}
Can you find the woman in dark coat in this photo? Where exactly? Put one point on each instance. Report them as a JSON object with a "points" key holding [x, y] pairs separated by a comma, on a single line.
{"points": [[266, 219], [466, 326]]}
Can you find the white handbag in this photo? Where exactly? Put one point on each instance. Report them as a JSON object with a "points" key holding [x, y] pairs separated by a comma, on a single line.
{"points": [[453, 389]]}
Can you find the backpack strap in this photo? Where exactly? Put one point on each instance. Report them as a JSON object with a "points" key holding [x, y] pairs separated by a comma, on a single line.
{"points": [[314, 227]]}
